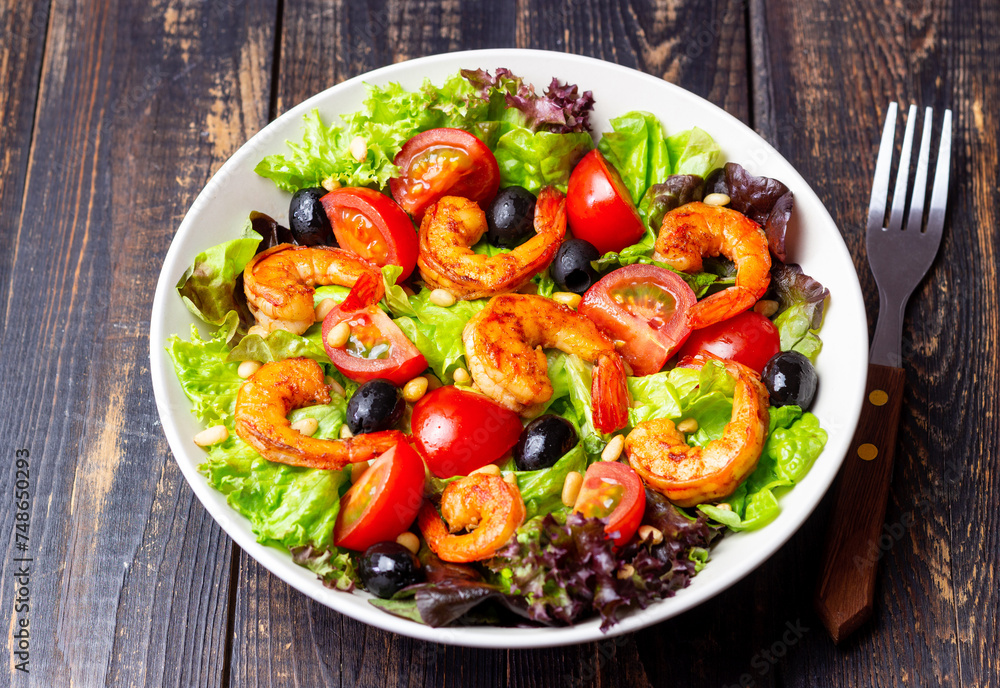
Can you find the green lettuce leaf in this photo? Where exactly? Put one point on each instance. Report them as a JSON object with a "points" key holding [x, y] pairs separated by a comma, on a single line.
{"points": [[537, 159], [389, 117], [693, 152], [205, 374], [542, 489], [638, 150], [208, 286], [794, 330]]}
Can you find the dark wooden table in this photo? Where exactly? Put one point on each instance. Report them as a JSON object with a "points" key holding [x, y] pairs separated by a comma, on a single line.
{"points": [[113, 115]]}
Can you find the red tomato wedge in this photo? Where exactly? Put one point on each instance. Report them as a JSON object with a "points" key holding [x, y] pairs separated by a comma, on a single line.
{"points": [[749, 338], [376, 347], [444, 162], [643, 308], [599, 207], [457, 431], [614, 491], [373, 226], [384, 501]]}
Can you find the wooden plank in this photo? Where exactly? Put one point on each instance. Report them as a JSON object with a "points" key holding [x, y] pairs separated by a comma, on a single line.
{"points": [[822, 107], [138, 105], [23, 26], [284, 639]]}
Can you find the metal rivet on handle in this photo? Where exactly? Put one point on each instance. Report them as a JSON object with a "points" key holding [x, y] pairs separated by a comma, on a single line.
{"points": [[878, 397], [867, 452]]}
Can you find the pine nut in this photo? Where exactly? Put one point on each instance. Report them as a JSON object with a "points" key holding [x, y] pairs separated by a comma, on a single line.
{"points": [[338, 335], [335, 386], [613, 449], [716, 199], [306, 426], [461, 376], [567, 298], [442, 297], [415, 389], [324, 308], [571, 488], [626, 571], [687, 426], [511, 480], [258, 330], [345, 432], [766, 307], [488, 469], [359, 148], [409, 541], [358, 470], [650, 534], [248, 368], [330, 183], [212, 435], [724, 506]]}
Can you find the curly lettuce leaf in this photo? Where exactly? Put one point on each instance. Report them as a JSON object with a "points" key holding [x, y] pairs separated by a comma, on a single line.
{"points": [[794, 441], [209, 289], [389, 117], [562, 109], [801, 301], [205, 374]]}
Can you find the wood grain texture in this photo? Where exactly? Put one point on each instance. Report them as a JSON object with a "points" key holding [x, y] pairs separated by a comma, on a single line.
{"points": [[138, 104], [823, 81], [855, 541]]}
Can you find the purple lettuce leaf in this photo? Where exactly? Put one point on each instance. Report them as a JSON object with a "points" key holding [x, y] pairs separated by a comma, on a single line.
{"points": [[792, 287], [766, 201], [563, 109]]}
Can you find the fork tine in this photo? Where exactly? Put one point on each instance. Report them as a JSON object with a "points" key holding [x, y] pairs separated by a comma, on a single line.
{"points": [[916, 215], [880, 187], [903, 173], [939, 195]]}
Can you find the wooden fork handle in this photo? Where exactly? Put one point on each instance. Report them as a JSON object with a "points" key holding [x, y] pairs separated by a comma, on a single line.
{"points": [[855, 541]]}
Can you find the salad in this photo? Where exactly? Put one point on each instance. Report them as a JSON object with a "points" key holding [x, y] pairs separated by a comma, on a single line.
{"points": [[493, 373]]}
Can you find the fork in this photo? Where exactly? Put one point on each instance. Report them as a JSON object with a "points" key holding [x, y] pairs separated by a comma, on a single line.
{"points": [[899, 257]]}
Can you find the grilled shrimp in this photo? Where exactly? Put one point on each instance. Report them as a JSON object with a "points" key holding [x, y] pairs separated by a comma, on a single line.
{"points": [[452, 225], [695, 230], [279, 282], [486, 504], [689, 475], [266, 398], [503, 347]]}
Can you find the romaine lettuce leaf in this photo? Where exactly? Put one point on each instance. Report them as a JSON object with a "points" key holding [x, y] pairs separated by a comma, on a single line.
{"points": [[638, 150], [692, 152]]}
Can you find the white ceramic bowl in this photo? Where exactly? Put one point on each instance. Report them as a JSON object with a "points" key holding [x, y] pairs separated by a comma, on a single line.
{"points": [[222, 207]]}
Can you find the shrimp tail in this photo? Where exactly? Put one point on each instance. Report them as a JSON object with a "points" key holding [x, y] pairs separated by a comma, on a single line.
{"points": [[365, 292], [721, 306], [609, 393]]}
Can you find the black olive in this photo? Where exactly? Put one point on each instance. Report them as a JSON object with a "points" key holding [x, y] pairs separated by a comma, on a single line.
{"points": [[388, 567], [309, 223], [571, 267], [376, 405], [272, 233], [790, 379], [511, 217], [543, 441]]}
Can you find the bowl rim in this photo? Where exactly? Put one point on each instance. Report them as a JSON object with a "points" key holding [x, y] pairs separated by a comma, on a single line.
{"points": [[279, 562]]}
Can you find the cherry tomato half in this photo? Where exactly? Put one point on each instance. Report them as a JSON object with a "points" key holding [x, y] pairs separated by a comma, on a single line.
{"points": [[444, 162], [599, 207], [371, 225], [613, 491], [376, 346], [384, 501], [749, 338], [457, 431], [643, 308]]}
